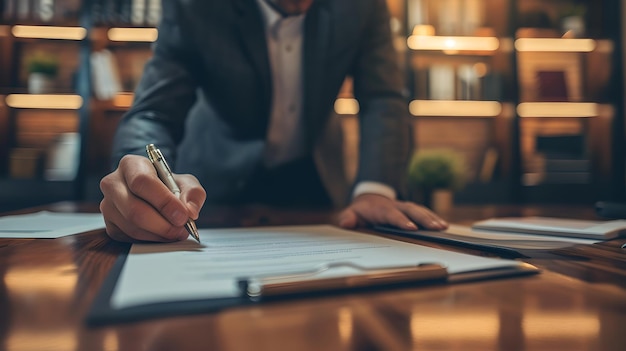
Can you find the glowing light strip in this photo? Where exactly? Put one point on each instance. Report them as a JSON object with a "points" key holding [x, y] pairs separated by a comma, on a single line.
{"points": [[557, 109], [423, 42], [455, 108], [555, 45], [45, 101], [345, 106], [123, 100], [49, 32], [133, 34]]}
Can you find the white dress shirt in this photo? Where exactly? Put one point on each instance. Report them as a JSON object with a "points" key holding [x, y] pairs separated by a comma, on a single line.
{"points": [[285, 136]]}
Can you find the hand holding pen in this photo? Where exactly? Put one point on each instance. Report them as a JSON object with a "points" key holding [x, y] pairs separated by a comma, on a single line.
{"points": [[165, 174], [138, 207]]}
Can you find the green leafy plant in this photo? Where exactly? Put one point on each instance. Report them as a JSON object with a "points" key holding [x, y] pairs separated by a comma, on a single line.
{"points": [[574, 10], [436, 169], [43, 63]]}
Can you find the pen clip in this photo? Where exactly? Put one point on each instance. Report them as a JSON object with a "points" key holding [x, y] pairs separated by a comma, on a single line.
{"points": [[156, 156], [306, 281]]}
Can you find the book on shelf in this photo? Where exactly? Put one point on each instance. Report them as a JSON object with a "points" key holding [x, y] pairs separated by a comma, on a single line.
{"points": [[564, 159], [22, 9], [106, 79], [44, 10], [488, 166], [552, 86], [153, 13], [491, 86], [126, 12], [441, 82], [138, 12], [111, 12], [39, 11], [468, 87]]}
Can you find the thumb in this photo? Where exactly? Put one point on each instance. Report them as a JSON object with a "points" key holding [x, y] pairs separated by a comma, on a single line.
{"points": [[348, 219]]}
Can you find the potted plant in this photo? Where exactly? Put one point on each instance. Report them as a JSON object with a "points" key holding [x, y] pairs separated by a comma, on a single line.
{"points": [[573, 20], [434, 174], [42, 71]]}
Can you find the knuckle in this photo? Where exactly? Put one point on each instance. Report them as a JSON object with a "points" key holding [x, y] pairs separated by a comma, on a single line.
{"points": [[138, 181], [126, 160], [106, 183]]}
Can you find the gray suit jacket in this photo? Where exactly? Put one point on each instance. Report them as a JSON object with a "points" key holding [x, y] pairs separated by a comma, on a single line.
{"points": [[205, 95]]}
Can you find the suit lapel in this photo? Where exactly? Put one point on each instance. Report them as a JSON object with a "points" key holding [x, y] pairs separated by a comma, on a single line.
{"points": [[252, 35], [316, 42]]}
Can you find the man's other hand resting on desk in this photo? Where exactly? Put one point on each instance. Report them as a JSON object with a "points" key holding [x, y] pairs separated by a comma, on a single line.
{"points": [[137, 206]]}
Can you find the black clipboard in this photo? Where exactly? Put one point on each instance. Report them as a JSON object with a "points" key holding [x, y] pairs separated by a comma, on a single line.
{"points": [[261, 288], [319, 279], [281, 287], [102, 313]]}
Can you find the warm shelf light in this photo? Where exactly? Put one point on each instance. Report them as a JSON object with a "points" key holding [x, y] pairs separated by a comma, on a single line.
{"points": [[424, 42], [123, 100], [45, 101], [49, 32], [133, 34], [555, 45], [454, 108], [557, 109], [344, 106]]}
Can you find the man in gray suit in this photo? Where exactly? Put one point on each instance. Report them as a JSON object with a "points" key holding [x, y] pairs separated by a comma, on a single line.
{"points": [[238, 96]]}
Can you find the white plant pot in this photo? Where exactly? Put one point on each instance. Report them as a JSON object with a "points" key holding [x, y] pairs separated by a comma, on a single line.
{"points": [[39, 83], [574, 26]]}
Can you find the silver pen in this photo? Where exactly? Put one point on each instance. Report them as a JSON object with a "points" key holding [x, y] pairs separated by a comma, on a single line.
{"points": [[165, 174]]}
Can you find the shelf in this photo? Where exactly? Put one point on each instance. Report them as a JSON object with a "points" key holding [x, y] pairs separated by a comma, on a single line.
{"points": [[49, 32], [44, 101], [453, 44], [123, 34], [121, 102], [555, 45], [346, 106], [559, 109], [455, 108]]}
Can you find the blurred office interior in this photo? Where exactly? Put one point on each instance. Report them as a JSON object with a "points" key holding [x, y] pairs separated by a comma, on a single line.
{"points": [[528, 95]]}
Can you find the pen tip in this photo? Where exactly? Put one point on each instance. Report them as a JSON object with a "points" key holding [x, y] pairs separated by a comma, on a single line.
{"points": [[193, 230]]}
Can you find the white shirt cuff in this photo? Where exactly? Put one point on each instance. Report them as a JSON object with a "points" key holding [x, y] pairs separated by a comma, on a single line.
{"points": [[374, 188]]}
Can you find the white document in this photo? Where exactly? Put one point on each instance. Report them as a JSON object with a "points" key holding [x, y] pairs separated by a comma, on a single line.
{"points": [[187, 270], [508, 239], [48, 225], [565, 227]]}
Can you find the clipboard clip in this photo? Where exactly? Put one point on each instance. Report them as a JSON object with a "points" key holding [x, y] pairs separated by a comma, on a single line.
{"points": [[308, 281]]}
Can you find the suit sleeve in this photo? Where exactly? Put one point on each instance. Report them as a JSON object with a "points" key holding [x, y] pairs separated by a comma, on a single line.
{"points": [[164, 94], [385, 128]]}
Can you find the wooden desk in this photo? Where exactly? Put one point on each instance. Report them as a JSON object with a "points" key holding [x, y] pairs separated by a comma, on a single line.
{"points": [[47, 287]]}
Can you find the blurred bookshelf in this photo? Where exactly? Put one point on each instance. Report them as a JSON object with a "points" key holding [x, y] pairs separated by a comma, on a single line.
{"points": [[499, 81], [56, 133], [515, 86]]}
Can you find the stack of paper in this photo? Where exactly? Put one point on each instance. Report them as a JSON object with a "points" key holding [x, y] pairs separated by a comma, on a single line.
{"points": [[48, 225]]}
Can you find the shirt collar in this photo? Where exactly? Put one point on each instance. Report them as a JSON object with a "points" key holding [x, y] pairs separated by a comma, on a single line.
{"points": [[270, 15]]}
